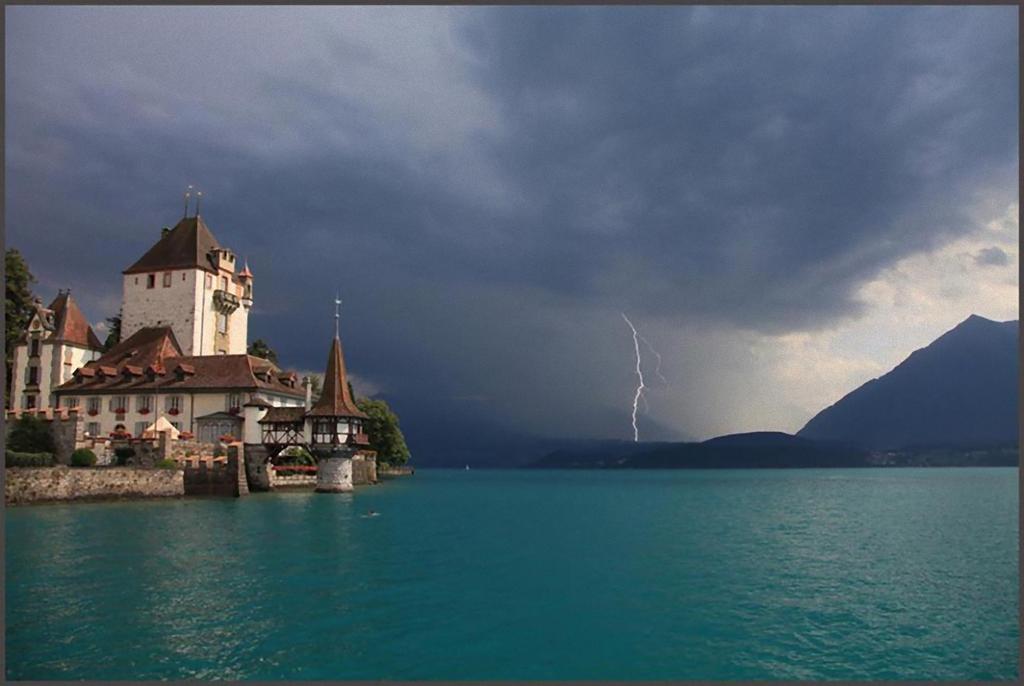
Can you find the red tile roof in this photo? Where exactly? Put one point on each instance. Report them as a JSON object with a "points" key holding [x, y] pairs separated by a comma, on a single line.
{"points": [[70, 325], [186, 246], [283, 414], [156, 348], [147, 346]]}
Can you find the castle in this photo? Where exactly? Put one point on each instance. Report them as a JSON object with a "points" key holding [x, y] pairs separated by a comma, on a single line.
{"points": [[182, 355]]}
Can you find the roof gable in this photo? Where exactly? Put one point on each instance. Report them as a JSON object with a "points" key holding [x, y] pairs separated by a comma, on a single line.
{"points": [[186, 246], [150, 345]]}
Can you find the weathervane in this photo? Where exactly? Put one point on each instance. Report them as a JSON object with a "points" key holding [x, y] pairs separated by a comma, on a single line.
{"points": [[337, 314], [188, 195], [199, 199]]}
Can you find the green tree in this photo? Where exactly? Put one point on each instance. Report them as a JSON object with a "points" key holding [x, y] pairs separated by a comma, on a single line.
{"points": [[18, 306], [30, 434], [260, 348], [113, 331], [383, 431]]}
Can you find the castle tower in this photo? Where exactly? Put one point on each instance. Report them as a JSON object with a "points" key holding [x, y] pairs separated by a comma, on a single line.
{"points": [[187, 281]]}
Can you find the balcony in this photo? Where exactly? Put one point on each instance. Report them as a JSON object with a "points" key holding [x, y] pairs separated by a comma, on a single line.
{"points": [[225, 301]]}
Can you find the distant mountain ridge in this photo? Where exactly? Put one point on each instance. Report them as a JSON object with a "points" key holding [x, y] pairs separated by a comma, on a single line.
{"points": [[961, 390], [951, 403]]}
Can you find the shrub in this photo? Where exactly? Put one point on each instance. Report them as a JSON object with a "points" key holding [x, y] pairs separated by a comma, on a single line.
{"points": [[17, 459], [166, 463], [122, 455], [30, 434], [83, 457]]}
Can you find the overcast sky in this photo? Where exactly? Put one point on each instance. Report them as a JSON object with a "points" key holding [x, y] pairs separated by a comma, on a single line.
{"points": [[785, 201]]}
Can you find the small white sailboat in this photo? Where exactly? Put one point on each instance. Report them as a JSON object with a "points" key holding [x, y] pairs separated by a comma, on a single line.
{"points": [[467, 467]]}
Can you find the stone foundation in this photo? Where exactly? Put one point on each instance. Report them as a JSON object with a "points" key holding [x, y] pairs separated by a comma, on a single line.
{"points": [[257, 467], [334, 475], [225, 478], [293, 481], [364, 470], [28, 484]]}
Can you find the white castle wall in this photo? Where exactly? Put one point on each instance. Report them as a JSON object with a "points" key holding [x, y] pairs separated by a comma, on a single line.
{"points": [[174, 305], [187, 307], [56, 362]]}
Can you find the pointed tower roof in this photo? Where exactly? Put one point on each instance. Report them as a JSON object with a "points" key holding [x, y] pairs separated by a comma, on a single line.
{"points": [[187, 245], [70, 325], [335, 400], [245, 273]]}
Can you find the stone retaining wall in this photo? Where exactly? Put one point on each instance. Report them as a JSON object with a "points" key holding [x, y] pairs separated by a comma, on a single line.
{"points": [[32, 484], [404, 470], [293, 480], [225, 478], [364, 470]]}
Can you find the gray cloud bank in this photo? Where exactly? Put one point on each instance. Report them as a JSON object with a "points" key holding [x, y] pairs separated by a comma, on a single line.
{"points": [[489, 187]]}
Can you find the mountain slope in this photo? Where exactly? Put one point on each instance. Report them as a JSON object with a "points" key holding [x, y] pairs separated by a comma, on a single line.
{"points": [[960, 390]]}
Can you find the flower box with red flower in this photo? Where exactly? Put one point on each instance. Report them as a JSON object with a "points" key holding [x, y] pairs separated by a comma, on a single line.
{"points": [[186, 435], [119, 410], [227, 438], [93, 412], [174, 411], [143, 410]]}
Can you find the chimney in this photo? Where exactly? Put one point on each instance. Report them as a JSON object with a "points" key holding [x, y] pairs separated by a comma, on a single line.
{"points": [[308, 383]]}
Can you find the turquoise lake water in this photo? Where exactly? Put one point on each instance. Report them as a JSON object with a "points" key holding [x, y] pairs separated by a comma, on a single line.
{"points": [[795, 574]]}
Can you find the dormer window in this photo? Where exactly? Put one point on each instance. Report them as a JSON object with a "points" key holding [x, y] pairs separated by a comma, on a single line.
{"points": [[183, 370]]}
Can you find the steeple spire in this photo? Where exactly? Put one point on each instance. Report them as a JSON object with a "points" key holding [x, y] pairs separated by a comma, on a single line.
{"points": [[335, 399], [337, 314]]}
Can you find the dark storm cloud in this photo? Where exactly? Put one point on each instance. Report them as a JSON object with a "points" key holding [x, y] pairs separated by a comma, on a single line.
{"points": [[487, 218], [751, 165], [993, 256]]}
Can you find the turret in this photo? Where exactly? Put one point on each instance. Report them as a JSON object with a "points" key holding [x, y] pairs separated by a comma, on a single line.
{"points": [[245, 278]]}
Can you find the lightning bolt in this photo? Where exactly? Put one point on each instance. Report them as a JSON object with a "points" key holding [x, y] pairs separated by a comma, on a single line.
{"points": [[657, 367], [639, 374]]}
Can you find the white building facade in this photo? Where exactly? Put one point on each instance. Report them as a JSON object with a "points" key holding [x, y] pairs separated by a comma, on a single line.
{"points": [[58, 341]]}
